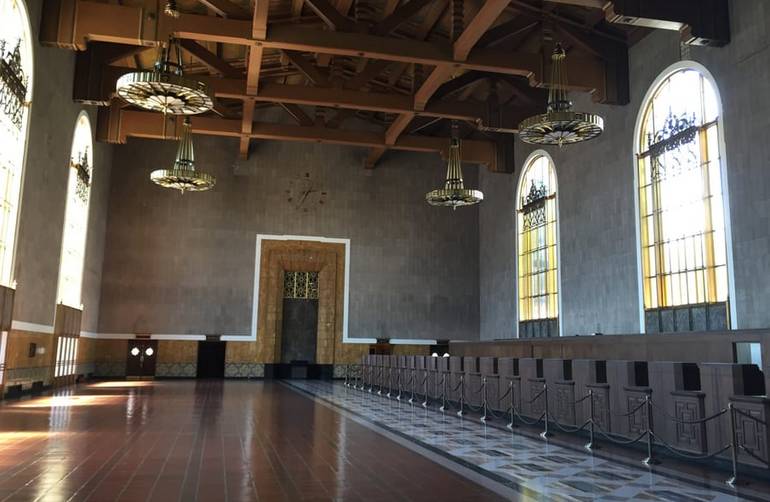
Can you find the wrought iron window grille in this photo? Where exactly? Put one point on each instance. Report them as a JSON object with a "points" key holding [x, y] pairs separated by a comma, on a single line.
{"points": [[533, 207], [83, 171], [13, 83], [300, 285]]}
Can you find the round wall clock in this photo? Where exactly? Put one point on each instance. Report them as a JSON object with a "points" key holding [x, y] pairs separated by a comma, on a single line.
{"points": [[304, 194]]}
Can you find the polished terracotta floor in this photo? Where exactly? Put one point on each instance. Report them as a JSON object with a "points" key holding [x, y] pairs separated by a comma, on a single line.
{"points": [[206, 441]]}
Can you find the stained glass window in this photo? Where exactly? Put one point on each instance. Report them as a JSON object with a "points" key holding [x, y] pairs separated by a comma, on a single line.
{"points": [[15, 95], [76, 214], [681, 209], [536, 207]]}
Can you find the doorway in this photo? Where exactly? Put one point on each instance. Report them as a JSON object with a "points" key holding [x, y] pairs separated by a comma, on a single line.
{"points": [[299, 331], [211, 359], [141, 359]]}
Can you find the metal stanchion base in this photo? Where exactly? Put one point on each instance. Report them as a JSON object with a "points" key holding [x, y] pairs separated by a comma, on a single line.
{"points": [[511, 426], [460, 413], [441, 409], [546, 435], [425, 404], [735, 482], [651, 461], [591, 447]]}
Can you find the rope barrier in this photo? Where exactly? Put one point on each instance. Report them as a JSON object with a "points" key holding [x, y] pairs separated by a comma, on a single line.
{"points": [[365, 375], [686, 455], [752, 455], [688, 422], [620, 415]]}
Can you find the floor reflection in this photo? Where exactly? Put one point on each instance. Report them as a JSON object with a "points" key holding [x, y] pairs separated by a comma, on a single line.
{"points": [[205, 441]]}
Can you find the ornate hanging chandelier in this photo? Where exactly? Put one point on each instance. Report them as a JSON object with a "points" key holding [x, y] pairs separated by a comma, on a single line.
{"points": [[560, 125], [183, 176], [454, 193], [164, 88]]}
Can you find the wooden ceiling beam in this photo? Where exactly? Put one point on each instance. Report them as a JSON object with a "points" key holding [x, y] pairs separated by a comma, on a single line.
{"points": [[225, 8], [481, 22], [343, 6], [506, 31], [142, 124], [399, 16], [297, 114], [590, 4], [429, 21], [108, 22], [304, 95], [329, 14], [307, 68], [210, 59], [461, 49], [259, 21], [253, 70], [247, 121]]}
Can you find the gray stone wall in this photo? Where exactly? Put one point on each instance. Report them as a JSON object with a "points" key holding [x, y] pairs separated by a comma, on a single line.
{"points": [[599, 277], [180, 264], [52, 123]]}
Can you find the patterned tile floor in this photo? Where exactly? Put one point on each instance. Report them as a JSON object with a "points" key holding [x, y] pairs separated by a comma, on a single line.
{"points": [[531, 467]]}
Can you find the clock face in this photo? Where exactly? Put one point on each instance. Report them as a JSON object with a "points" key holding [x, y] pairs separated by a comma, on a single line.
{"points": [[304, 194]]}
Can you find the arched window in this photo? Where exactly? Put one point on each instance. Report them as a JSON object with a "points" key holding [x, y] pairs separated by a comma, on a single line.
{"points": [[538, 283], [15, 96], [76, 214], [681, 205]]}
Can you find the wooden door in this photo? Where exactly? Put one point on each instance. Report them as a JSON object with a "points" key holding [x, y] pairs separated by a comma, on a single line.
{"points": [[142, 356]]}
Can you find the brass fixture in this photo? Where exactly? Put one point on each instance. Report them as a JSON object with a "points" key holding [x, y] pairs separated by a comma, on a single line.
{"points": [[183, 176], [165, 89], [560, 124], [454, 194]]}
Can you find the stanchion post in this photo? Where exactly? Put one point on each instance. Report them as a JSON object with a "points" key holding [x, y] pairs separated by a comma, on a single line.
{"points": [[425, 388], [398, 383], [650, 460], [733, 446], [411, 392], [484, 398], [545, 434], [511, 425], [462, 396], [443, 392], [590, 445]]}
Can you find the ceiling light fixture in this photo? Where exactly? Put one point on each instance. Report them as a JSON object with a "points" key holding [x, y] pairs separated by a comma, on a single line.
{"points": [[183, 176], [164, 88], [560, 125], [454, 193]]}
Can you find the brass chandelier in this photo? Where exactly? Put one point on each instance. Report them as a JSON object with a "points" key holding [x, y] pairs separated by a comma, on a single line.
{"points": [[183, 176], [560, 125], [454, 194], [164, 88]]}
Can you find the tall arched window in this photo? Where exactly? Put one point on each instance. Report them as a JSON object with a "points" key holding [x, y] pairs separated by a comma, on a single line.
{"points": [[538, 282], [15, 96], [681, 206], [76, 214]]}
